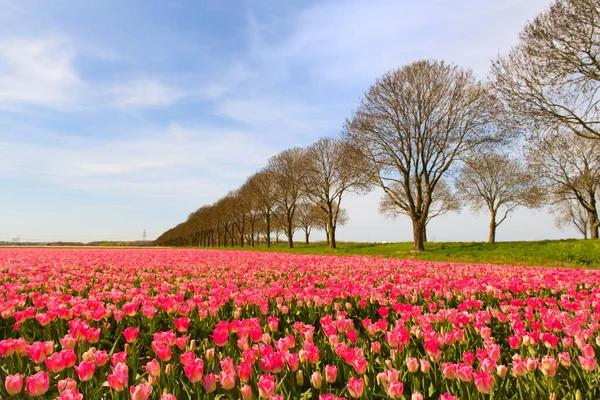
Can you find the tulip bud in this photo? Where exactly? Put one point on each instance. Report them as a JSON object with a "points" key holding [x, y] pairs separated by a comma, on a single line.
{"points": [[417, 396], [89, 355], [169, 369], [578, 395], [210, 354], [316, 379], [246, 392], [300, 378], [501, 370], [193, 345], [552, 396]]}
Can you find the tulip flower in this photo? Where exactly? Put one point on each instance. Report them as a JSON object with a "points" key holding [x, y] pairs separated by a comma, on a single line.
{"points": [[587, 363], [266, 386], [194, 370], [37, 385], [316, 380], [85, 370], [153, 368], [13, 384], [355, 387], [209, 382], [483, 381], [395, 389], [131, 334], [331, 373], [140, 392]]}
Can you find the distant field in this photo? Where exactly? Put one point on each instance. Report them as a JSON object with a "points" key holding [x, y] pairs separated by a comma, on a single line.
{"points": [[549, 253]]}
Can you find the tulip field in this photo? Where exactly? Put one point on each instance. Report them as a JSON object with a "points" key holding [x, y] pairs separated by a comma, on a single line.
{"points": [[208, 324]]}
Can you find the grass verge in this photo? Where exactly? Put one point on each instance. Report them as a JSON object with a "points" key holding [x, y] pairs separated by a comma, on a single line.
{"points": [[547, 253]]}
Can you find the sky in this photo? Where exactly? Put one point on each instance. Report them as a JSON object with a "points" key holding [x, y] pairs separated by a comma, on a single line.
{"points": [[123, 116]]}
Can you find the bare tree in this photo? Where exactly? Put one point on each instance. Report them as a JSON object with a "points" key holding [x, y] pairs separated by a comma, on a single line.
{"points": [[331, 172], [552, 77], [499, 183], [287, 170], [570, 213], [307, 217], [411, 127], [262, 187], [570, 167], [443, 201]]}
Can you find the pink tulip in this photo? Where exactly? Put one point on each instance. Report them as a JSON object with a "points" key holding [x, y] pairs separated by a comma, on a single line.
{"points": [[70, 394], [355, 387], [140, 392], [13, 384], [417, 396], [424, 366], [483, 381], [316, 380], [37, 385], [66, 384], [227, 379], [395, 389], [153, 368], [194, 370], [412, 364], [331, 373], [246, 392], [587, 363], [449, 371], [448, 396], [182, 324], [360, 365], [85, 370], [209, 382], [131, 334], [266, 386]]}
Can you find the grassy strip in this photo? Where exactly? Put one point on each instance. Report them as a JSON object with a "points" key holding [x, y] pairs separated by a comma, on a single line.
{"points": [[548, 253]]}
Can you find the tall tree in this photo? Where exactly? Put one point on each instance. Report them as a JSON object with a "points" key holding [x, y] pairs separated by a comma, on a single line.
{"points": [[552, 77], [499, 183], [262, 187], [411, 127], [331, 172], [288, 170], [570, 168]]}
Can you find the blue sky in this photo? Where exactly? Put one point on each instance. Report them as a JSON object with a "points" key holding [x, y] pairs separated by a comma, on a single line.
{"points": [[120, 116]]}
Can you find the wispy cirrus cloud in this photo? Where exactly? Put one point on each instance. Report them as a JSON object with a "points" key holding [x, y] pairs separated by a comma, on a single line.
{"points": [[38, 71]]}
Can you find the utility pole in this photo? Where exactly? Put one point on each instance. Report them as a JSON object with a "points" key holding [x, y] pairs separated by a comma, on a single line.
{"points": [[144, 234]]}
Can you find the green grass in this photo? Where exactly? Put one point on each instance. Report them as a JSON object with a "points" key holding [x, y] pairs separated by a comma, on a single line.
{"points": [[548, 253]]}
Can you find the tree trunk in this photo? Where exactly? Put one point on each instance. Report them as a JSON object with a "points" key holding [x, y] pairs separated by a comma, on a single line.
{"points": [[307, 236], [418, 244], [594, 225], [332, 240], [252, 234], [327, 235], [290, 235], [493, 226], [268, 230], [331, 229], [425, 233]]}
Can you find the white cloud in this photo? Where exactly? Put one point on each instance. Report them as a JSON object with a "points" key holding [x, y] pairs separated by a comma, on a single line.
{"points": [[144, 92], [162, 162], [38, 71]]}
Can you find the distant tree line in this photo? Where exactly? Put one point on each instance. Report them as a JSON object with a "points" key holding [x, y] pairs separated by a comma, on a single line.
{"points": [[433, 138]]}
